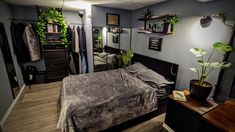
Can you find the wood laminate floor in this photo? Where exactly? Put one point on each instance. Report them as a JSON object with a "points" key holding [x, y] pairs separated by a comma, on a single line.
{"points": [[37, 111]]}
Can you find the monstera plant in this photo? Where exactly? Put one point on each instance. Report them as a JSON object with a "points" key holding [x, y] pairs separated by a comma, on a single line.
{"points": [[199, 88]]}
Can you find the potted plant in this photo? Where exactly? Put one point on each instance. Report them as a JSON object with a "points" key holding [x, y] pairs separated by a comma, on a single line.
{"points": [[199, 88], [169, 24], [98, 42], [124, 58], [52, 16]]}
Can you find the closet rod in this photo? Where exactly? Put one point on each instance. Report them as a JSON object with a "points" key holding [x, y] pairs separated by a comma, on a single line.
{"points": [[23, 20], [76, 23]]}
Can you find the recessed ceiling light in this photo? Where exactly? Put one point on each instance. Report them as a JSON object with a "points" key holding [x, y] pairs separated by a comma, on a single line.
{"points": [[204, 1]]}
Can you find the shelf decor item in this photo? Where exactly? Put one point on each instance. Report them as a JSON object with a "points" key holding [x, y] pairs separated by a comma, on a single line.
{"points": [[53, 20], [199, 88], [166, 22], [112, 19]]}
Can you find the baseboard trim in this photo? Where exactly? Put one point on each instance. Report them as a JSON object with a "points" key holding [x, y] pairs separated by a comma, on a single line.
{"points": [[167, 128], [12, 106]]}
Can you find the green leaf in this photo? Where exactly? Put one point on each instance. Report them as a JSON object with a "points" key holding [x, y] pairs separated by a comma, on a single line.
{"points": [[221, 47], [220, 65], [200, 62], [198, 52], [194, 69]]}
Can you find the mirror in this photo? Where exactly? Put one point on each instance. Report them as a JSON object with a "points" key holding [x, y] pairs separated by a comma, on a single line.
{"points": [[107, 44], [4, 45]]}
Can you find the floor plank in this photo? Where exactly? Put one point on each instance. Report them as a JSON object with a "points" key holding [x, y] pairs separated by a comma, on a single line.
{"points": [[37, 111]]}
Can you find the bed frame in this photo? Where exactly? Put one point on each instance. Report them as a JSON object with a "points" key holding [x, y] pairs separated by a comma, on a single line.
{"points": [[169, 71]]}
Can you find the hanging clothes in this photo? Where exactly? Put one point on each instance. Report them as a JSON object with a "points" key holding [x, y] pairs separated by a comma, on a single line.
{"points": [[32, 43], [72, 67], [20, 49], [75, 50], [83, 49]]}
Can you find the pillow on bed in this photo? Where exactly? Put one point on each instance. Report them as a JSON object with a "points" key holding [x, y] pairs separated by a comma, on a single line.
{"points": [[153, 78], [136, 68]]}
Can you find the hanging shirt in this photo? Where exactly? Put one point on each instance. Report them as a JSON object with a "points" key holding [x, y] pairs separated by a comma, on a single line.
{"points": [[32, 43], [83, 49], [75, 40]]}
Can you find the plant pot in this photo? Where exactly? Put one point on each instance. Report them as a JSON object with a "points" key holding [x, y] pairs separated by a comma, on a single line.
{"points": [[200, 93], [168, 28]]}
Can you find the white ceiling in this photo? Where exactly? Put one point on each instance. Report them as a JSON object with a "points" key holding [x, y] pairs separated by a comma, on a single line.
{"points": [[121, 4]]}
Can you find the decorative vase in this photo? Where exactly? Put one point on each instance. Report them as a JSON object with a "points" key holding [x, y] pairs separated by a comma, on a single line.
{"points": [[200, 93]]}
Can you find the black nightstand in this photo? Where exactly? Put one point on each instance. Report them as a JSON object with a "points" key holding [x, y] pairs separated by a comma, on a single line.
{"points": [[186, 116]]}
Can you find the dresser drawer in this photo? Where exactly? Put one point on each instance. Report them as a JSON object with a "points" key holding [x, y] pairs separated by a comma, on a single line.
{"points": [[54, 54], [56, 75], [56, 61], [55, 67]]}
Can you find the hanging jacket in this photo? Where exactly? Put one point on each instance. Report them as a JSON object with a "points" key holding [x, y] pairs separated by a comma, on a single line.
{"points": [[20, 49], [83, 49], [32, 43]]}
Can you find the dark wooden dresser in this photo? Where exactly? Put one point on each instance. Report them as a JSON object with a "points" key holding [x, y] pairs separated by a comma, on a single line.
{"points": [[220, 119], [56, 61], [186, 116]]}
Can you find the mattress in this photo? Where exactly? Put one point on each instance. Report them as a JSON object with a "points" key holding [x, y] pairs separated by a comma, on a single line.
{"points": [[97, 101]]}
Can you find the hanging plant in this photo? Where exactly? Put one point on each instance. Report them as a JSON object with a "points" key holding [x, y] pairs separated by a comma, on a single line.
{"points": [[52, 16]]}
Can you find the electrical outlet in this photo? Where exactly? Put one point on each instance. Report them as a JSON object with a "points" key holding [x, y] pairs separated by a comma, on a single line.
{"points": [[16, 79], [30, 77]]}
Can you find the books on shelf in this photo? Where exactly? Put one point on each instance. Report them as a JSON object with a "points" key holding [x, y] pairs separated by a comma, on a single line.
{"points": [[179, 95]]}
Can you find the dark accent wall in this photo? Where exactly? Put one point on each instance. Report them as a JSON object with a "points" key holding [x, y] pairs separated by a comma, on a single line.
{"points": [[228, 76], [99, 16]]}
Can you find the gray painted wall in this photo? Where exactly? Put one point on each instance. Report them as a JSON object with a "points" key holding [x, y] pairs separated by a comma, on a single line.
{"points": [[24, 12], [99, 16], [188, 34], [6, 97]]}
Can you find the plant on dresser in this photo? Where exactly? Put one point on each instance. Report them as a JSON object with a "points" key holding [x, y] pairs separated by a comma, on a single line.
{"points": [[199, 88], [52, 16]]}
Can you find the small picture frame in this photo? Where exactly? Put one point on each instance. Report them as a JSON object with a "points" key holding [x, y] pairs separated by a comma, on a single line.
{"points": [[155, 43], [50, 28], [112, 19], [115, 39]]}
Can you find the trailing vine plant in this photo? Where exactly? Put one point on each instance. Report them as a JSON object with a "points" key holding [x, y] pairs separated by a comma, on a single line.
{"points": [[52, 16]]}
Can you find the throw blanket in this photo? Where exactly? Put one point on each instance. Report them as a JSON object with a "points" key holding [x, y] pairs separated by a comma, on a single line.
{"points": [[97, 101]]}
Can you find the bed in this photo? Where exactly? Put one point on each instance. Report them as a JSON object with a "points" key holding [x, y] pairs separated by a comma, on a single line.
{"points": [[105, 60], [107, 100]]}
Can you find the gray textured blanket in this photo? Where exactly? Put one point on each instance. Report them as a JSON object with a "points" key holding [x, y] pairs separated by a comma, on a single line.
{"points": [[93, 102]]}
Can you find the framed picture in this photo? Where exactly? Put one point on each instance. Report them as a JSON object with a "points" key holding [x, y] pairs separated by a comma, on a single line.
{"points": [[50, 28], [112, 19], [116, 39], [155, 43]]}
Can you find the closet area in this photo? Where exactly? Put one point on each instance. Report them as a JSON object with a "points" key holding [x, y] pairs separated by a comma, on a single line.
{"points": [[52, 46], [108, 43]]}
